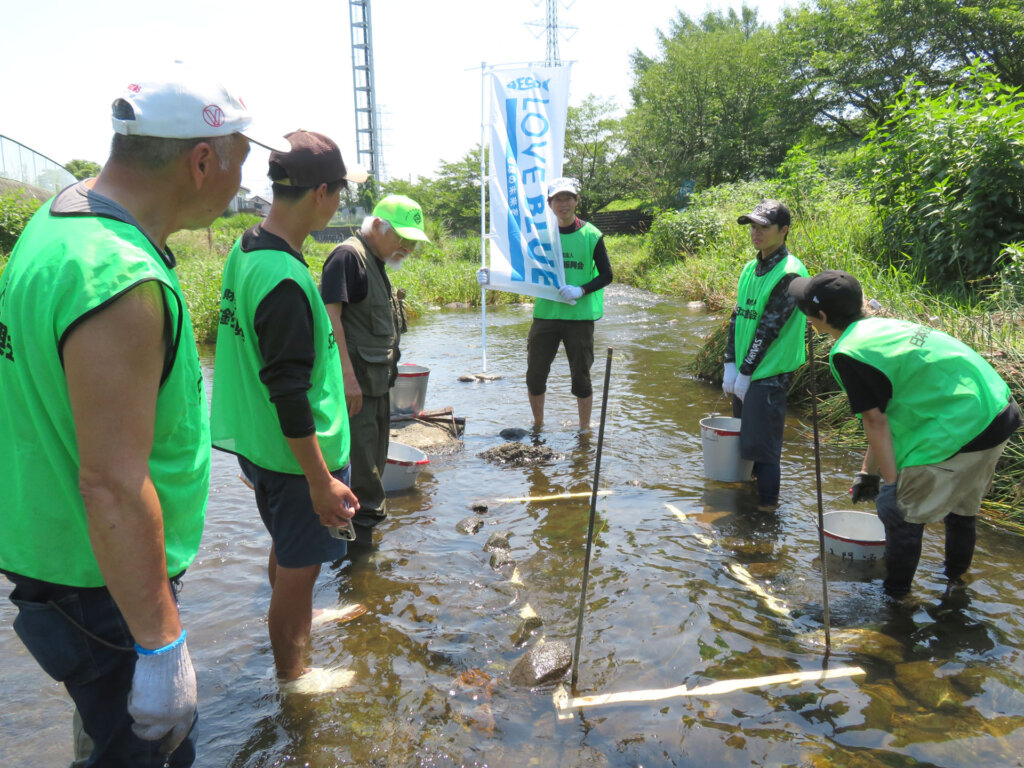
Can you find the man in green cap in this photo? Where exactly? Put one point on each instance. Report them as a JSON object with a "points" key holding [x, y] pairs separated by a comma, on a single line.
{"points": [[368, 320]]}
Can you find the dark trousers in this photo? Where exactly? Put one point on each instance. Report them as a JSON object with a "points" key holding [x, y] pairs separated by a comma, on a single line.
{"points": [[371, 433], [80, 639], [903, 551]]}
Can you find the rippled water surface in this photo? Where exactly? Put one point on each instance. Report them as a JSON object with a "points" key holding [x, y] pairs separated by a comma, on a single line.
{"points": [[689, 585]]}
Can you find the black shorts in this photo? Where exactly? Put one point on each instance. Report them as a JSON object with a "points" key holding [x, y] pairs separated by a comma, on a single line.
{"points": [[300, 539], [542, 346]]}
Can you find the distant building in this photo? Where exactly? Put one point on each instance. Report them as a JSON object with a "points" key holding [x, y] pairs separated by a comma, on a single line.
{"points": [[237, 204], [256, 204]]}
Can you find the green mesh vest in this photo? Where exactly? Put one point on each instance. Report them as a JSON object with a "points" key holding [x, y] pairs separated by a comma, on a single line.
{"points": [[944, 393], [243, 419], [787, 352], [578, 260], [63, 269]]}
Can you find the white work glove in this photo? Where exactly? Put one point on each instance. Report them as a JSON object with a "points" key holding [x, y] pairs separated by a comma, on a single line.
{"points": [[729, 378], [162, 701], [483, 276], [570, 292], [741, 386]]}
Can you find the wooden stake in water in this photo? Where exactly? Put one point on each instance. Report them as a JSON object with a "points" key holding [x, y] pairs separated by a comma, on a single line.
{"points": [[590, 526]]}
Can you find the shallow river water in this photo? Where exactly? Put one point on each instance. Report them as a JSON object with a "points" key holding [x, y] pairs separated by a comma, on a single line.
{"points": [[689, 584]]}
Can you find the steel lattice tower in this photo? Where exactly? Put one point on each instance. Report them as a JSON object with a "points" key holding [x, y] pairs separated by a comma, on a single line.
{"points": [[368, 141], [551, 59]]}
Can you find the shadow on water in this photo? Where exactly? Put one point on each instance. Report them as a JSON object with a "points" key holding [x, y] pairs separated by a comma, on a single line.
{"points": [[689, 584]]}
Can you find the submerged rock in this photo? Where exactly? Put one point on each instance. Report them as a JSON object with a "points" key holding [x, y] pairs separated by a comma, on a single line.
{"points": [[498, 540], [470, 524], [500, 558], [518, 454], [479, 506], [544, 663], [513, 433], [920, 681], [526, 629]]}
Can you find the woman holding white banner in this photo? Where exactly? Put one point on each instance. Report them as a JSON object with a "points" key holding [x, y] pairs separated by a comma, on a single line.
{"points": [[587, 271]]}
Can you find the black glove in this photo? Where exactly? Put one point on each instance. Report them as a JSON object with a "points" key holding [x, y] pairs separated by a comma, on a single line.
{"points": [[865, 487], [886, 506]]}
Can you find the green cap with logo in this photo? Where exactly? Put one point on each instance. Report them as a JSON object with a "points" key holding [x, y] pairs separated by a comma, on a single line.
{"points": [[404, 214]]}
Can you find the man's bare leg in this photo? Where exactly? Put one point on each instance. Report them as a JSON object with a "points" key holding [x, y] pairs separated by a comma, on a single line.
{"points": [[537, 406], [585, 405], [290, 616]]}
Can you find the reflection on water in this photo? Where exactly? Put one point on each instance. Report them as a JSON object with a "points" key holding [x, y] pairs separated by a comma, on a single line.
{"points": [[689, 584]]}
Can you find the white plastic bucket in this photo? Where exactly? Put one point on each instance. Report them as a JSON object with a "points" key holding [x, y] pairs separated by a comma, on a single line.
{"points": [[854, 535], [409, 394], [404, 464], [720, 437]]}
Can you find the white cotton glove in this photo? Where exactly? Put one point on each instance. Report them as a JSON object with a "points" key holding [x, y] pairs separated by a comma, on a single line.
{"points": [[741, 386], [483, 276], [729, 378], [162, 701], [570, 292]]}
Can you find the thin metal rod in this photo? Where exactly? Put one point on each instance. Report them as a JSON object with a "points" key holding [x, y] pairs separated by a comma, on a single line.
{"points": [[817, 475], [483, 210], [590, 526]]}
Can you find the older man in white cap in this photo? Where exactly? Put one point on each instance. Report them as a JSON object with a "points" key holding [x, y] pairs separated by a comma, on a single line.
{"points": [[104, 432]]}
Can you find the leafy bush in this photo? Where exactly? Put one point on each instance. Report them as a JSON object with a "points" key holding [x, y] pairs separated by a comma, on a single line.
{"points": [[947, 175], [677, 234], [16, 208]]}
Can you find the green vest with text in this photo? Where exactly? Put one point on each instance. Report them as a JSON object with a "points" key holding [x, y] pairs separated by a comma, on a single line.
{"points": [[944, 394], [243, 420], [786, 353], [580, 269], [63, 269], [373, 327]]}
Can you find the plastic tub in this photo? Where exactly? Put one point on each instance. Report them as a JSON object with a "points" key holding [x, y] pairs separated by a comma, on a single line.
{"points": [[409, 393], [720, 438], [851, 535], [404, 464]]}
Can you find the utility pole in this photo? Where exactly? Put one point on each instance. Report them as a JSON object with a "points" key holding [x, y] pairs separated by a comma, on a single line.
{"points": [[551, 29], [368, 135]]}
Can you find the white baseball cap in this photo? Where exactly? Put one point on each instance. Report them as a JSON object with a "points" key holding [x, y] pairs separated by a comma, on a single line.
{"points": [[563, 184], [181, 103]]}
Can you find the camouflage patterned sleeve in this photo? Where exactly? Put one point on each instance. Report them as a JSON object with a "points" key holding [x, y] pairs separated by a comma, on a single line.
{"points": [[776, 312]]}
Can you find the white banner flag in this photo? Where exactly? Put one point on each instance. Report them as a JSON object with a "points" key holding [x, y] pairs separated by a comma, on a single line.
{"points": [[528, 110]]}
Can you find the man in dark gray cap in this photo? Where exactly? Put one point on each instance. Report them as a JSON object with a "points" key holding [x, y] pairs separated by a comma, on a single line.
{"points": [[765, 346], [279, 399]]}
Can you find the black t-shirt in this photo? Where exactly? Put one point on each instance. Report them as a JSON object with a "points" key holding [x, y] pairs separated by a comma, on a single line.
{"points": [[867, 387], [344, 279]]}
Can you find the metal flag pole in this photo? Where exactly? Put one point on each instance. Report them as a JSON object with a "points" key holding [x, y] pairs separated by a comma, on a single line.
{"points": [[483, 208], [590, 526], [817, 474]]}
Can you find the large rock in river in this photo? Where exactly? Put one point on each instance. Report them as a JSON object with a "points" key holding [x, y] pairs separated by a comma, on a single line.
{"points": [[543, 663]]}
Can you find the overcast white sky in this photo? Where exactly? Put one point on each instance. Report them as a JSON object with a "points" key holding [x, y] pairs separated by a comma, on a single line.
{"points": [[62, 62]]}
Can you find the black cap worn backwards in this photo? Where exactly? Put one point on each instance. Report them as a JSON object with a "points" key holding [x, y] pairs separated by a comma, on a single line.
{"points": [[834, 292]]}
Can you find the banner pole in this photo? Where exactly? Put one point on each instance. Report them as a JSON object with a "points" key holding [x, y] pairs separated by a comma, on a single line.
{"points": [[483, 208]]}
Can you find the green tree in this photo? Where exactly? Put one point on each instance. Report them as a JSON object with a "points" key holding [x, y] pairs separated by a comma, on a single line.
{"points": [[946, 173], [853, 56], [453, 196], [718, 105], [593, 147], [83, 169]]}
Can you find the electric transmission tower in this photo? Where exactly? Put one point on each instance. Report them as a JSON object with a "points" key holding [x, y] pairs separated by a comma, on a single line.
{"points": [[368, 141], [551, 29]]}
